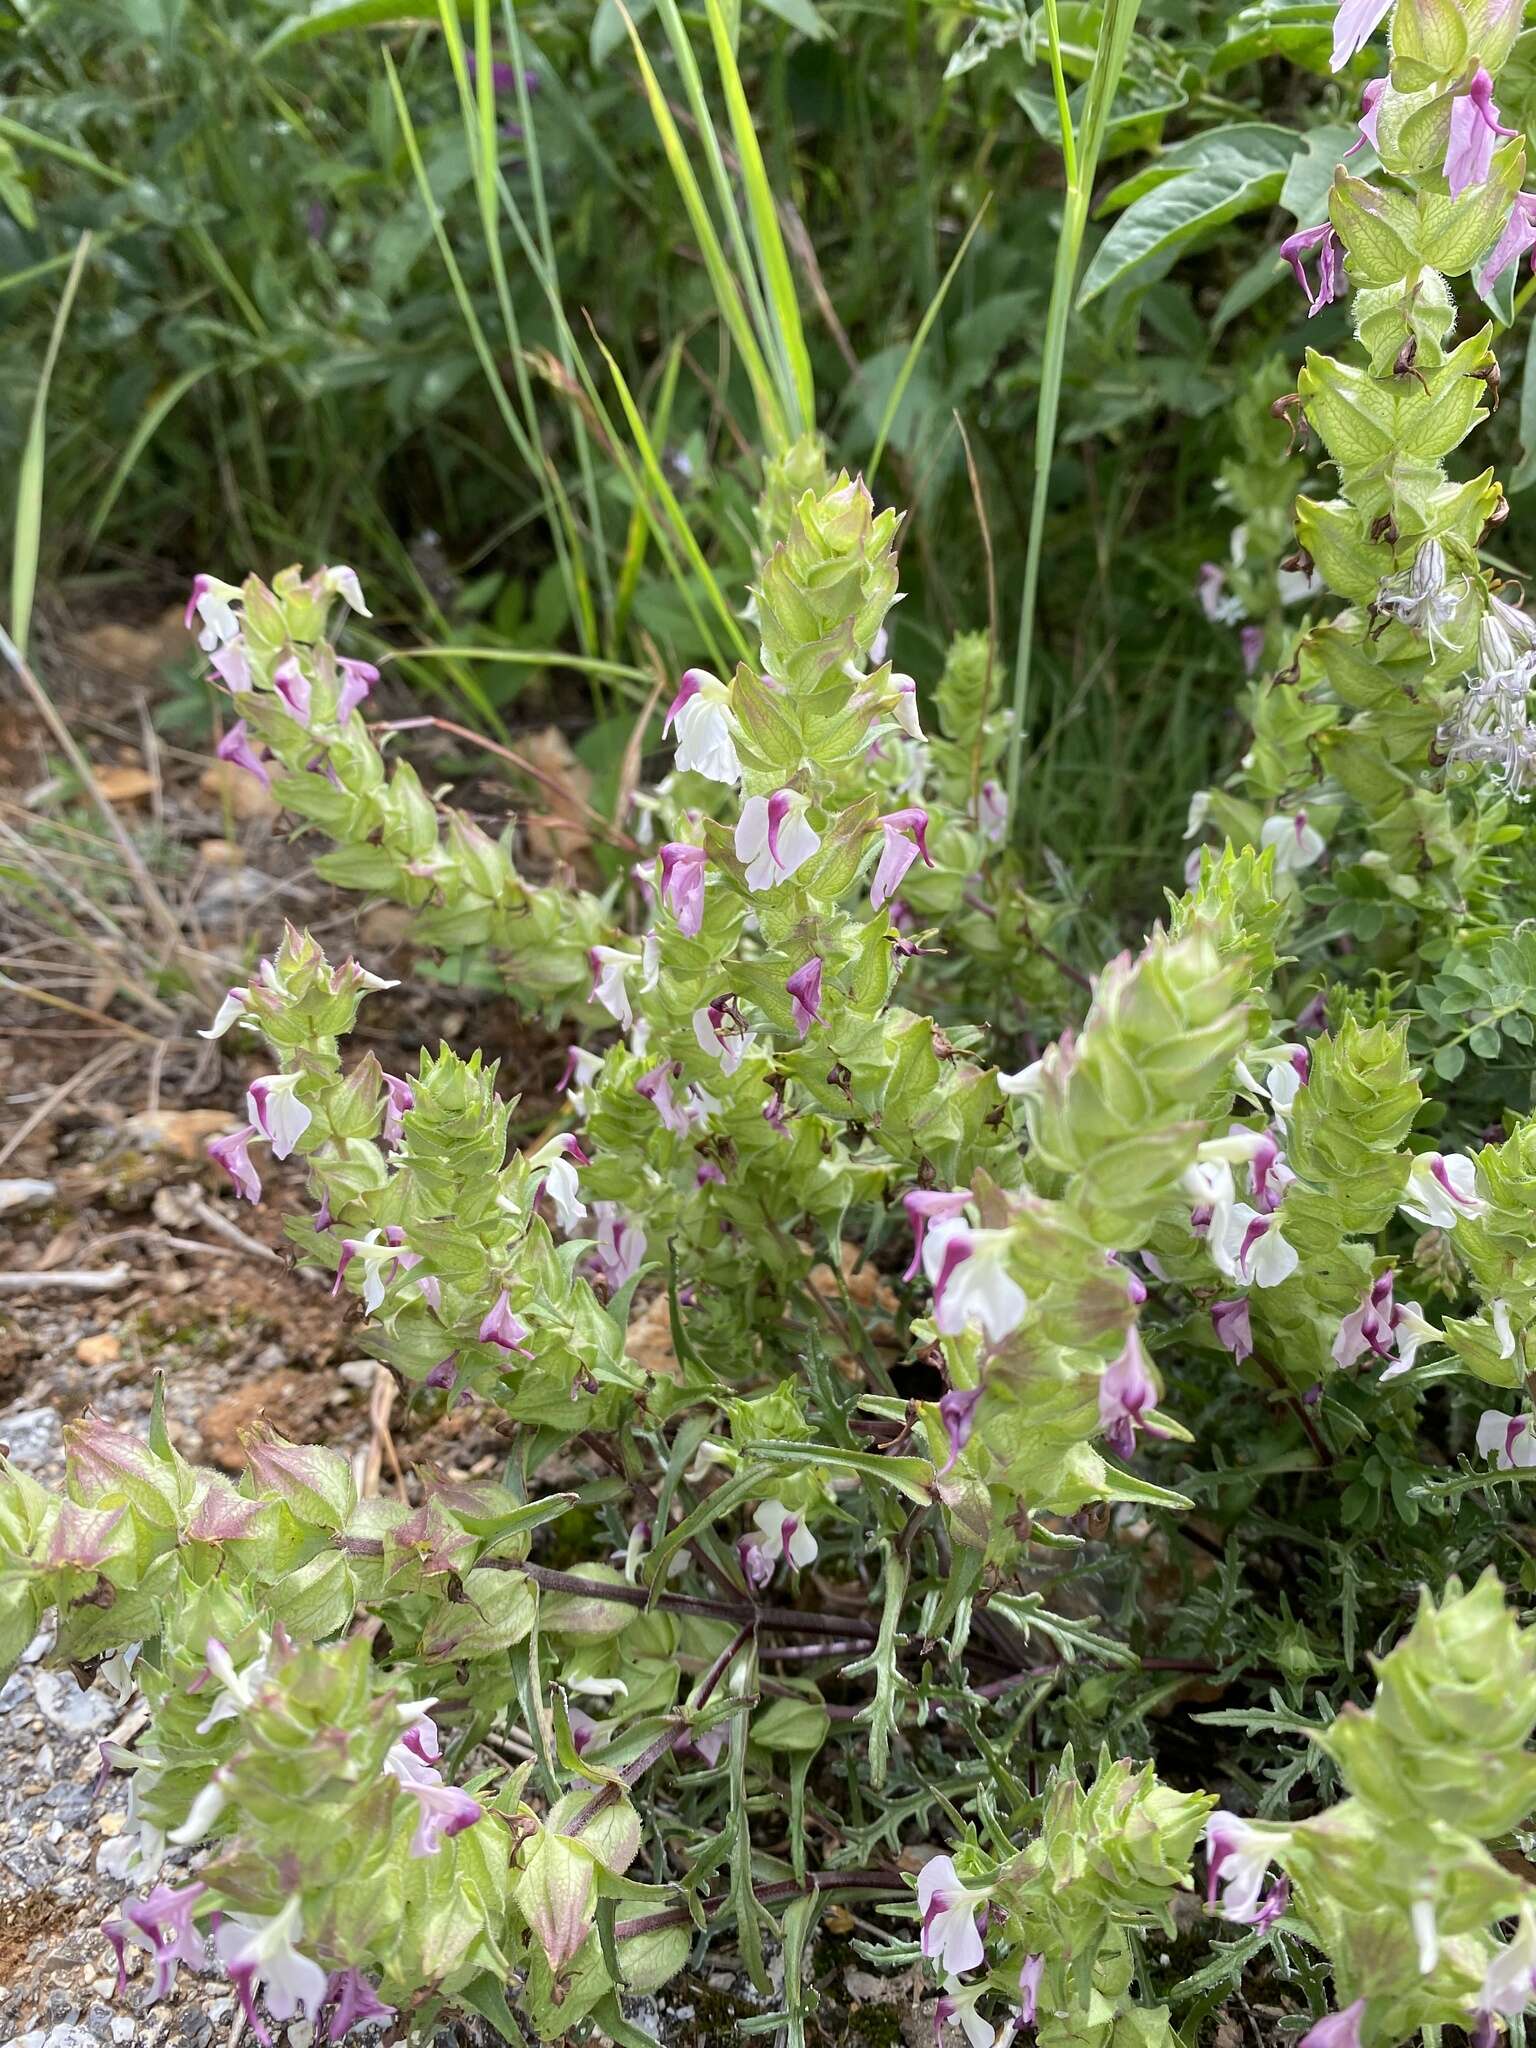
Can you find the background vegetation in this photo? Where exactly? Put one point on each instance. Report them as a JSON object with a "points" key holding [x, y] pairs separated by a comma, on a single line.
{"points": [[314, 322]]}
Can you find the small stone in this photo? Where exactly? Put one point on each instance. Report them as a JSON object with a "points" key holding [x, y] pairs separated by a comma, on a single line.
{"points": [[220, 853], [32, 1436], [98, 2021], [105, 1348], [122, 2030], [71, 1708], [111, 1824], [125, 785]]}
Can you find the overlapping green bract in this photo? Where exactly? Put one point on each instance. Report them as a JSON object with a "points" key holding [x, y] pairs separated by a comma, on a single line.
{"points": [[1397, 1882]]}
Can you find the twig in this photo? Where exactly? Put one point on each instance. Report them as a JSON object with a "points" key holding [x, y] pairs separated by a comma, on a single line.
{"points": [[95, 1069], [232, 1234], [106, 1281], [1314, 1435], [539, 775], [780, 1620], [887, 1881], [978, 499], [149, 895]]}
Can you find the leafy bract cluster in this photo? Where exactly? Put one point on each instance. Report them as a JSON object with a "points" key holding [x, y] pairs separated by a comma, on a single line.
{"points": [[930, 1317]]}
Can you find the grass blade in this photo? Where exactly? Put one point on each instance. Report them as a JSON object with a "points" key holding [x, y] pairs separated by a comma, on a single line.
{"points": [[477, 108], [29, 481], [661, 490], [159, 411], [909, 361], [1115, 29], [727, 290], [778, 278]]}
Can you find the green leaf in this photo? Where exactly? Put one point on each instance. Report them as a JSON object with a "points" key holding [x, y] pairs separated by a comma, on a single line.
{"points": [[800, 14], [1235, 171], [911, 1476], [1304, 195], [1276, 28], [326, 17]]}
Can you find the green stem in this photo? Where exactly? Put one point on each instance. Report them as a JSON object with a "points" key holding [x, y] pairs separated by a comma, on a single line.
{"points": [[1080, 164]]}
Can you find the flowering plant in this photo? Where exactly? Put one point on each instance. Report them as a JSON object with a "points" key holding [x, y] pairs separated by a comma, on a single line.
{"points": [[557, 1726]]}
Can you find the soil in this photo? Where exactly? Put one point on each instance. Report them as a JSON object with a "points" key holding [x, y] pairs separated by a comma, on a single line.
{"points": [[107, 1099]]}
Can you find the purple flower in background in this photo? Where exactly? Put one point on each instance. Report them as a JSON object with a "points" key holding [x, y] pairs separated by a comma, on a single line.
{"points": [[620, 1246], [1518, 236], [442, 1811], [233, 1153], [163, 1923], [1353, 26], [905, 837], [950, 1934], [503, 1329], [1250, 643], [398, 1099], [261, 1953], [293, 686], [1474, 125], [957, 1412], [925, 1206], [503, 76], [1215, 600], [1337, 2030], [682, 884], [231, 665], [991, 813], [656, 1087], [357, 679], [1030, 1973], [1237, 1859], [236, 746], [1126, 1391], [1329, 250], [273, 1106], [581, 1069], [804, 990], [1234, 1327], [1370, 108], [353, 2002]]}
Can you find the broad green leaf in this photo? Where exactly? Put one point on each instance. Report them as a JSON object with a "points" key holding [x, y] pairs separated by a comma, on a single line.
{"points": [[1304, 195], [327, 17], [1240, 171], [1302, 34]]}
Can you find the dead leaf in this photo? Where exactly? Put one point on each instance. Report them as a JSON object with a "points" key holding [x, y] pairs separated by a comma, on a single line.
{"points": [[566, 791], [223, 780], [220, 853], [649, 1340], [102, 1349], [184, 1133], [124, 785], [137, 651], [867, 1287]]}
